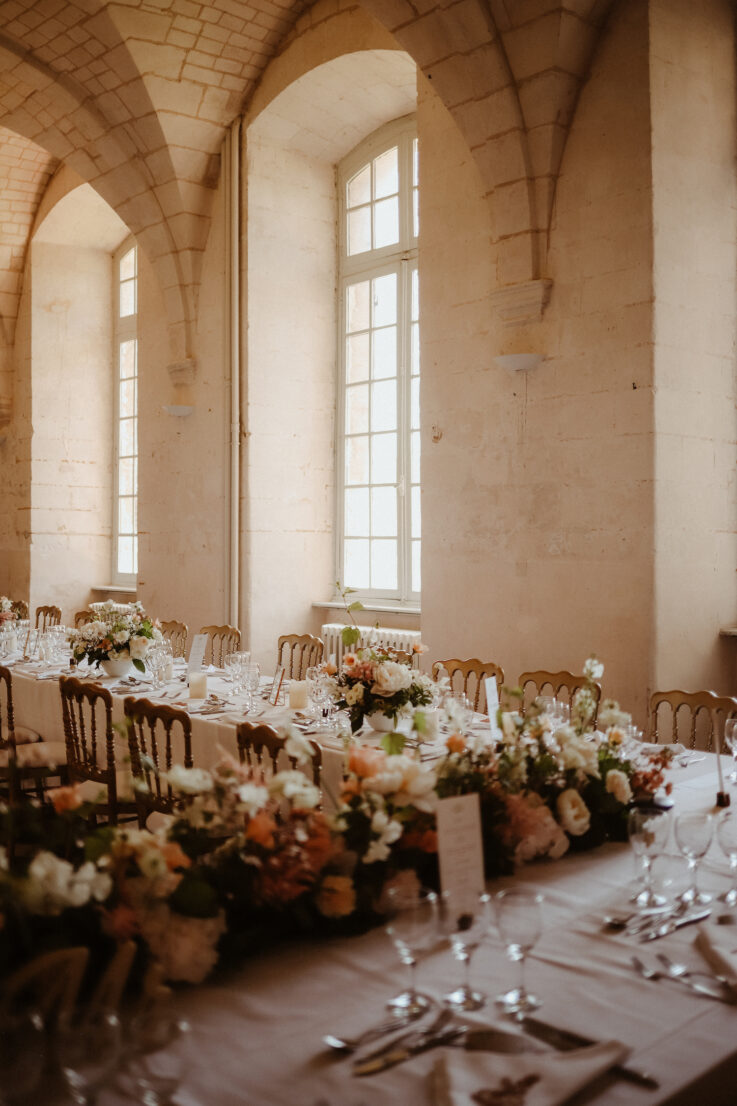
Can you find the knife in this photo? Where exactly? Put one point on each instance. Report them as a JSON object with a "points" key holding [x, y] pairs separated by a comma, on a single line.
{"points": [[672, 924], [398, 1055], [564, 1040]]}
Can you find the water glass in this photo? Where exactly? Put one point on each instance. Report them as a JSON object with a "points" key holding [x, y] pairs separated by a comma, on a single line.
{"points": [[233, 665], [412, 925], [158, 1051], [648, 832], [519, 920], [693, 836], [727, 840], [730, 740], [88, 1052], [251, 681], [464, 920]]}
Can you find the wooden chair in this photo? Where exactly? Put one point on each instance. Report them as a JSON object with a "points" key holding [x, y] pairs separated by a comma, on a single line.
{"points": [[50, 983], [47, 616], [704, 712], [298, 652], [176, 633], [21, 608], [25, 763], [469, 676], [87, 715], [158, 737], [556, 682], [223, 640], [261, 745], [81, 618]]}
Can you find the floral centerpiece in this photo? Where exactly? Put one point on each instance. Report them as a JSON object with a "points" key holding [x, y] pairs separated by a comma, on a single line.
{"points": [[115, 635], [372, 682], [8, 610]]}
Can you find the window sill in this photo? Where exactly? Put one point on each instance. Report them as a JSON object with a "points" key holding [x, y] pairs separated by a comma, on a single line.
{"points": [[728, 631], [118, 589], [375, 605]]}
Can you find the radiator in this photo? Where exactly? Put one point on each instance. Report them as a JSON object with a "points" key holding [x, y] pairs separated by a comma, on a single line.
{"points": [[391, 638]]}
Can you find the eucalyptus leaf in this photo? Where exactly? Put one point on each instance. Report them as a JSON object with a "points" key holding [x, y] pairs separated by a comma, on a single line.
{"points": [[139, 664], [393, 743]]}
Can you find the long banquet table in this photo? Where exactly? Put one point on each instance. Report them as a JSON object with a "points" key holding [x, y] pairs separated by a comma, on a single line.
{"points": [[257, 1031]]}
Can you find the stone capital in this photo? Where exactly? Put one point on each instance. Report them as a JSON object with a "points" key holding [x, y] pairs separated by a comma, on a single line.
{"points": [[519, 304]]}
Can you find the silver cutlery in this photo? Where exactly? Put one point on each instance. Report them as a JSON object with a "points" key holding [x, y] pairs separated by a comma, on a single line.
{"points": [[682, 971], [351, 1044], [410, 1044], [672, 923], [692, 985], [563, 1040]]}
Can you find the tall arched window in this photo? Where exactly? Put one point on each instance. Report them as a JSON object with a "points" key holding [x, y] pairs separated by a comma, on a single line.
{"points": [[125, 361], [378, 462]]}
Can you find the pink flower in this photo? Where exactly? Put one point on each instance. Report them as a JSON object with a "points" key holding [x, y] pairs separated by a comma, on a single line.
{"points": [[365, 761]]}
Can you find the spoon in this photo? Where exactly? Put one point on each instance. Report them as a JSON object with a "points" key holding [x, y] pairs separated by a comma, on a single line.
{"points": [[350, 1044]]}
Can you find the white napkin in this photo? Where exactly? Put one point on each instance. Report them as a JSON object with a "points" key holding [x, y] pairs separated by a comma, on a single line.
{"points": [[473, 1078], [718, 946]]}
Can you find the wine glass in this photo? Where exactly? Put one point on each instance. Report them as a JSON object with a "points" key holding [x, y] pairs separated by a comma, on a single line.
{"points": [[519, 920], [233, 665], [22, 1056], [648, 832], [88, 1052], [464, 920], [727, 839], [693, 836], [251, 681], [730, 740], [158, 1051], [412, 924]]}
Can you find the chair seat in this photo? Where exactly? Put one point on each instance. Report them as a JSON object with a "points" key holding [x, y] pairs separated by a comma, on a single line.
{"points": [[39, 754], [22, 735], [93, 791]]}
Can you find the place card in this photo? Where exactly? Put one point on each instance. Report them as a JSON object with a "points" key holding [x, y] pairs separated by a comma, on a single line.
{"points": [[197, 652], [492, 706], [276, 685], [460, 847]]}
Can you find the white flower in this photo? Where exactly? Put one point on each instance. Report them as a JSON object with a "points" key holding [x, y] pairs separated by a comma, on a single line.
{"points": [[121, 637], [52, 884], [577, 753], [388, 830], [610, 716], [297, 745], [593, 669], [152, 864], [185, 947], [354, 694], [252, 797], [295, 786], [618, 785], [510, 723], [5, 603], [190, 781], [391, 677], [573, 813], [138, 647]]}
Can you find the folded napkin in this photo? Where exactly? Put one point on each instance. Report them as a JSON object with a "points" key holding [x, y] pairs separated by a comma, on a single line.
{"points": [[464, 1078], [718, 946]]}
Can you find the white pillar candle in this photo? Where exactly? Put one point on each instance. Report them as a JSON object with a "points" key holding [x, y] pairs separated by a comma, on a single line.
{"points": [[299, 694], [169, 669], [198, 685], [432, 723]]}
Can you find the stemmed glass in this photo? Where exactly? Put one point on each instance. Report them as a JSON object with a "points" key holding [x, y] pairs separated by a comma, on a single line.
{"points": [[519, 920], [158, 1054], [730, 740], [693, 836], [251, 681], [22, 1056], [464, 919], [412, 924], [727, 838], [233, 665], [648, 832], [88, 1052]]}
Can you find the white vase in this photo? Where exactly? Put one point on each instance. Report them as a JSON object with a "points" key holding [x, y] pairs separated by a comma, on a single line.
{"points": [[380, 722], [119, 665]]}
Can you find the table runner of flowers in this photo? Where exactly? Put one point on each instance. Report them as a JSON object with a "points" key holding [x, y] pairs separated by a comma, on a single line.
{"points": [[246, 859]]}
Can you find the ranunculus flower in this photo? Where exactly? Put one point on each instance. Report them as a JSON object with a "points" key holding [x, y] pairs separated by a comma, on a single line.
{"points": [[65, 798], [573, 813], [365, 761], [456, 743], [391, 677], [336, 897], [618, 785]]}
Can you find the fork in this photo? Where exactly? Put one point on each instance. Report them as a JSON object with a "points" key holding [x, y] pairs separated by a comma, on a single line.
{"points": [[682, 971], [691, 984]]}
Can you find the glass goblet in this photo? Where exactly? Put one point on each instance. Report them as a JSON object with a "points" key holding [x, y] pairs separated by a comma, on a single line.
{"points": [[464, 920], [158, 1056], [519, 920], [88, 1052], [412, 925], [727, 839], [648, 832], [694, 832], [730, 740]]}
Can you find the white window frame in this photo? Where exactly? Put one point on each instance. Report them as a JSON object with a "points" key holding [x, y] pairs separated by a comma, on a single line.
{"points": [[125, 329], [402, 259]]}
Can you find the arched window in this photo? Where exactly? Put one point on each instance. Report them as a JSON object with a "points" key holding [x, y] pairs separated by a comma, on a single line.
{"points": [[378, 463], [125, 362]]}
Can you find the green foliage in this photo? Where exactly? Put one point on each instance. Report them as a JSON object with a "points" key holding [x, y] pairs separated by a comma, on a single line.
{"points": [[137, 663], [195, 897], [393, 743], [351, 635]]}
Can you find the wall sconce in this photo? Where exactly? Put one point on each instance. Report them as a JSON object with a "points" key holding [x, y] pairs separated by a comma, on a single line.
{"points": [[177, 411], [519, 362]]}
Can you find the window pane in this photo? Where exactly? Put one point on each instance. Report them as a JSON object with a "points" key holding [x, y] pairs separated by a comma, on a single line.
{"points": [[127, 555], [356, 461], [416, 581], [415, 163], [359, 230], [356, 409], [386, 223], [384, 300], [383, 405], [386, 173], [127, 298], [359, 187], [356, 520], [415, 403], [415, 349], [415, 214], [127, 398], [128, 264], [415, 457], [384, 353], [128, 352], [127, 477], [384, 512], [128, 437], [356, 564], [416, 516], [358, 306], [415, 296], [383, 458], [357, 358], [127, 515], [384, 564]]}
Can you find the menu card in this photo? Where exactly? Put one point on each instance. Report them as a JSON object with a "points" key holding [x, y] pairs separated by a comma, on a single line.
{"points": [[276, 685], [492, 706], [460, 846], [197, 652]]}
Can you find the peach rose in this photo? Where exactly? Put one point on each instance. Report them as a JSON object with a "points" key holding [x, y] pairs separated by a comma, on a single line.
{"points": [[456, 743], [349, 659], [365, 761], [174, 856], [331, 669], [261, 829], [65, 798]]}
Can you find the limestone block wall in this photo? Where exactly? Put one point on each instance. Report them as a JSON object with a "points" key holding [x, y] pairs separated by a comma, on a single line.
{"points": [[15, 465]]}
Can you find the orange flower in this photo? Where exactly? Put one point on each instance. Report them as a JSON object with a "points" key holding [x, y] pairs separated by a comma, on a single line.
{"points": [[261, 829], [174, 856], [418, 647], [349, 659], [331, 669], [365, 761], [65, 798], [349, 789], [456, 743]]}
